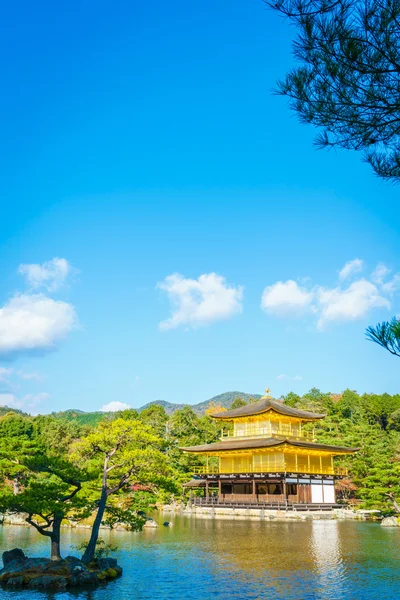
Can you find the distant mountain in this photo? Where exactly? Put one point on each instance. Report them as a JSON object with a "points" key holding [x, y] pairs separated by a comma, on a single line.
{"points": [[224, 400], [93, 418], [169, 407]]}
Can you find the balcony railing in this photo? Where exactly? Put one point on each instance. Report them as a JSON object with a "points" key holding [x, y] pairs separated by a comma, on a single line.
{"points": [[269, 431], [291, 503], [278, 468], [341, 471]]}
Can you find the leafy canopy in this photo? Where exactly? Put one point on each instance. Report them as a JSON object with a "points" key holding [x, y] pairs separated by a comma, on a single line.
{"points": [[347, 82], [387, 335], [369, 422]]}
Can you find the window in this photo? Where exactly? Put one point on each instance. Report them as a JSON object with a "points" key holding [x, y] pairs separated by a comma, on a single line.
{"points": [[242, 488], [226, 488], [315, 464], [240, 429]]}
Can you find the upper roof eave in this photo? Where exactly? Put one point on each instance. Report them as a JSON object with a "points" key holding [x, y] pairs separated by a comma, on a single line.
{"points": [[264, 443], [266, 404]]}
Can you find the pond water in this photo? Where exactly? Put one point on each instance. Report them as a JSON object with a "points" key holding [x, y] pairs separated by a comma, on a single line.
{"points": [[205, 559]]}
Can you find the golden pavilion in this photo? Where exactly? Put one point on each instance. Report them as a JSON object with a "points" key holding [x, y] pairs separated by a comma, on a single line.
{"points": [[268, 459]]}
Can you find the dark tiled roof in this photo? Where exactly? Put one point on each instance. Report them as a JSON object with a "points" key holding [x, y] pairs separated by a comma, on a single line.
{"points": [[195, 483], [263, 443], [264, 405]]}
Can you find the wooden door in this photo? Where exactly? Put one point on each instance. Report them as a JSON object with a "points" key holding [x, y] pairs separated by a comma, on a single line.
{"points": [[304, 493]]}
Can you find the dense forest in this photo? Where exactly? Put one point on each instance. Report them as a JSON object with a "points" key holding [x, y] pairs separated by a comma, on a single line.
{"points": [[56, 467]]}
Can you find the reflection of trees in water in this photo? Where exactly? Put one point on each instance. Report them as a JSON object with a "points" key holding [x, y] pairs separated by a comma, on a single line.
{"points": [[275, 553]]}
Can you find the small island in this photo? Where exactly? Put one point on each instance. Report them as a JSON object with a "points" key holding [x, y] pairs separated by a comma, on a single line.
{"points": [[19, 571]]}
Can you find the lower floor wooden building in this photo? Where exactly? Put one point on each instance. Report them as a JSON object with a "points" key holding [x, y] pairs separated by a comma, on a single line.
{"points": [[285, 489]]}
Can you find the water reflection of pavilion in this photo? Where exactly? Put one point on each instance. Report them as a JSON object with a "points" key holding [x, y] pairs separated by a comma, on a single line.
{"points": [[288, 560]]}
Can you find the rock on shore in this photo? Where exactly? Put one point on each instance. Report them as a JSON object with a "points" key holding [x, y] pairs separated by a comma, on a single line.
{"points": [[19, 571], [390, 522]]}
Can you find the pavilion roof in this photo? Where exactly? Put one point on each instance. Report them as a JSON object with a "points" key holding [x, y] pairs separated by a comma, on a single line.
{"points": [[266, 404], [264, 443], [194, 483]]}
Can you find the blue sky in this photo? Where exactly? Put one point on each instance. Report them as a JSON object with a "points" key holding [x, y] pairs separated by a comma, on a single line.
{"points": [[141, 141]]}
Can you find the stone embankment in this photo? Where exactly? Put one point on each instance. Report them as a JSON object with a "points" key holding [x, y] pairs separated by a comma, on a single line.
{"points": [[19, 571], [19, 519], [221, 512]]}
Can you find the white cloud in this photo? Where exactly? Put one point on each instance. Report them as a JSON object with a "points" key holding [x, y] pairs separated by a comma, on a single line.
{"points": [[10, 400], [29, 376], [50, 275], [114, 406], [390, 287], [36, 397], [287, 298], [32, 400], [349, 304], [34, 322], [27, 402], [5, 373], [380, 272], [198, 302], [341, 303], [289, 378], [350, 268]]}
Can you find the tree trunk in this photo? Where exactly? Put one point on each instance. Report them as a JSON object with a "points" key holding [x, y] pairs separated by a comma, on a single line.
{"points": [[88, 555], [55, 538], [395, 503], [16, 485]]}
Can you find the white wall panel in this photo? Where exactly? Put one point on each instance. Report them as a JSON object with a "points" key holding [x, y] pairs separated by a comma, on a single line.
{"points": [[329, 494], [316, 494]]}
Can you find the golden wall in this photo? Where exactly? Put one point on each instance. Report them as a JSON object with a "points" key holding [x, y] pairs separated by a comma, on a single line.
{"points": [[275, 462]]}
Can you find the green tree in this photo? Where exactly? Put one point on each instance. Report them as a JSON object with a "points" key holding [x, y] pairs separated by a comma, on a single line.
{"points": [[127, 413], [36, 481], [292, 399], [317, 401], [56, 434], [347, 82], [16, 433], [387, 335], [351, 406], [156, 417], [238, 403], [184, 429], [120, 453], [381, 486]]}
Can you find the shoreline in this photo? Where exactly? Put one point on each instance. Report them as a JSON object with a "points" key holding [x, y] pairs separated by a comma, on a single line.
{"points": [[267, 514], [242, 513]]}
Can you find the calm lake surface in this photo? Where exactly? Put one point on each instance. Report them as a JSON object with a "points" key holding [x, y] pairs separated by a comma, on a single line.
{"points": [[204, 558]]}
